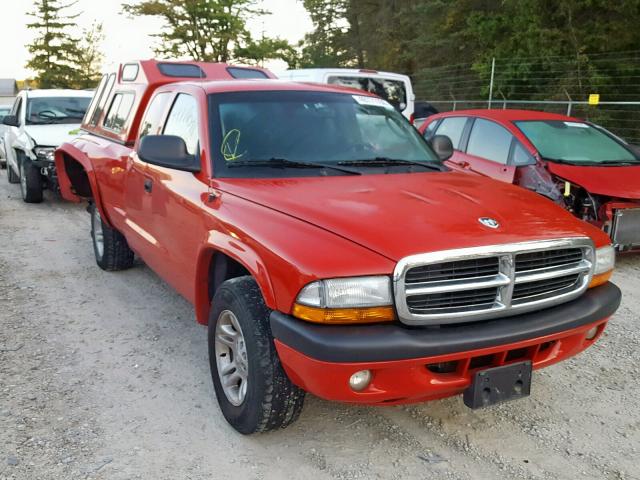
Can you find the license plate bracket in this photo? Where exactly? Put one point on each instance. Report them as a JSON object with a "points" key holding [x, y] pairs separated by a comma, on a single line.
{"points": [[499, 384]]}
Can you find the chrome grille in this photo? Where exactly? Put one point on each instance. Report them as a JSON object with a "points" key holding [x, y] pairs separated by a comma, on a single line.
{"points": [[453, 301], [547, 258], [541, 288], [476, 267], [487, 282]]}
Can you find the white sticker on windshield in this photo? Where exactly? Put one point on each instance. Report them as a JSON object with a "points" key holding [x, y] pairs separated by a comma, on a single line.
{"points": [[372, 101], [576, 124]]}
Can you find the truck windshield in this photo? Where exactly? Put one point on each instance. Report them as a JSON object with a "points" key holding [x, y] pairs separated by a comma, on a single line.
{"points": [[393, 91], [296, 133], [44, 110], [575, 142]]}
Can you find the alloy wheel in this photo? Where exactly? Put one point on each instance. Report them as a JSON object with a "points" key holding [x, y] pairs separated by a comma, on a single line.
{"points": [[231, 357]]}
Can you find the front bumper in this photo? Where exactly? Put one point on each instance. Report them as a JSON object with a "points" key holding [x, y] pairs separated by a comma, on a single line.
{"points": [[418, 364]]}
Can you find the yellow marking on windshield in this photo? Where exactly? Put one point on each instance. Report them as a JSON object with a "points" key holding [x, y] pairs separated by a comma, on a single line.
{"points": [[230, 144]]}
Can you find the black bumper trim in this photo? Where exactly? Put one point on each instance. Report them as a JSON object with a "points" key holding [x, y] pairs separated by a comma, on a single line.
{"points": [[386, 342]]}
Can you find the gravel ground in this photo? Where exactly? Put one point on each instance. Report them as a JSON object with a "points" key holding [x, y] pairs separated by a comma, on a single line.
{"points": [[105, 376]]}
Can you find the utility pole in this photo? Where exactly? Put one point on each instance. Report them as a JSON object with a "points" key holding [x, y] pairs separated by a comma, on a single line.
{"points": [[493, 71]]}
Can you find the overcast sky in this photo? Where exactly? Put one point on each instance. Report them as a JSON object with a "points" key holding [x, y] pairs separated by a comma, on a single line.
{"points": [[128, 39]]}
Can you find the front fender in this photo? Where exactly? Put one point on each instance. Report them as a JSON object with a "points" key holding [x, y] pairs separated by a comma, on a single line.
{"points": [[222, 243], [70, 152], [25, 143]]}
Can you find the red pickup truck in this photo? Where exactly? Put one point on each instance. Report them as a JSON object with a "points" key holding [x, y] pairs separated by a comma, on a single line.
{"points": [[326, 245]]}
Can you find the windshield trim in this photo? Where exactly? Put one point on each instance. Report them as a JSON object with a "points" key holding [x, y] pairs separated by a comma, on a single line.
{"points": [[220, 170], [577, 163]]}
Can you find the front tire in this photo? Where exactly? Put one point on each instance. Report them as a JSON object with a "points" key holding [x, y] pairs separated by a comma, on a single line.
{"points": [[253, 391], [30, 181], [109, 245]]}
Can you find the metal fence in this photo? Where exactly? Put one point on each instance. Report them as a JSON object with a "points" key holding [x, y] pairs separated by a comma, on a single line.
{"points": [[556, 84]]}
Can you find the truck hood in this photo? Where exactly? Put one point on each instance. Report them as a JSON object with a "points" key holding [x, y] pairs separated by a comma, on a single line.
{"points": [[612, 181], [52, 135], [403, 214]]}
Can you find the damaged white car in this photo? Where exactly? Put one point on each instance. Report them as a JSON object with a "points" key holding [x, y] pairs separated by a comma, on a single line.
{"points": [[39, 121], [4, 111]]}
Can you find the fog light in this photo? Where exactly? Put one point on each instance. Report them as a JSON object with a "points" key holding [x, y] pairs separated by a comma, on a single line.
{"points": [[360, 380], [591, 334]]}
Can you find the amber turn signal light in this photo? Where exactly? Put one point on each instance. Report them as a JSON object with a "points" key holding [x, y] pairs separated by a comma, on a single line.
{"points": [[600, 279], [338, 316]]}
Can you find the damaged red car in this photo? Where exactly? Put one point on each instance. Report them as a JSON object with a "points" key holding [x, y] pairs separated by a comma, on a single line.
{"points": [[583, 167]]}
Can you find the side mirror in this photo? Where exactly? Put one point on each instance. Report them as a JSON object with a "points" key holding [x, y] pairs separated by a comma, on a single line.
{"points": [[443, 147], [167, 151], [11, 120]]}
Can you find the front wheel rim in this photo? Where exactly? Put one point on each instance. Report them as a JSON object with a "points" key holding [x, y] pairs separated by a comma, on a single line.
{"points": [[231, 358], [98, 233]]}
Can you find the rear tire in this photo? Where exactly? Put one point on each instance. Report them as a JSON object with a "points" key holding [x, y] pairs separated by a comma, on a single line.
{"points": [[12, 176], [30, 181], [241, 349], [109, 246]]}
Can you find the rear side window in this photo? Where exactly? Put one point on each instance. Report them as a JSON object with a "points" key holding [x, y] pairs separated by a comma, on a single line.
{"points": [[104, 95], [181, 70], [236, 72], [96, 97], [452, 127], [489, 140], [183, 121], [154, 118], [119, 112], [393, 91], [130, 72]]}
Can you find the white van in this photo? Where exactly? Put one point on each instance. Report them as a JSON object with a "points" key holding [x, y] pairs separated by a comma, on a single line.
{"points": [[393, 87]]}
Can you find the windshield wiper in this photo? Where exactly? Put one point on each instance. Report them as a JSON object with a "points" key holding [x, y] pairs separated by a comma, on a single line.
{"points": [[386, 161], [567, 162], [594, 164], [621, 163], [284, 163], [40, 122]]}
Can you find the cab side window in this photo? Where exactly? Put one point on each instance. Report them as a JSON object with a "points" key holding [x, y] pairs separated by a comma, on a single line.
{"points": [[154, 117], [452, 127], [489, 140], [183, 121]]}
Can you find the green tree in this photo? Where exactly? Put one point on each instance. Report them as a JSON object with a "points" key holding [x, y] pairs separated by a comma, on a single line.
{"points": [[54, 51], [209, 30], [89, 57], [328, 44]]}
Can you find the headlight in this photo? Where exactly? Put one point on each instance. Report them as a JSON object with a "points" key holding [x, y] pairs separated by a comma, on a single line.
{"points": [[346, 300], [604, 262], [45, 153]]}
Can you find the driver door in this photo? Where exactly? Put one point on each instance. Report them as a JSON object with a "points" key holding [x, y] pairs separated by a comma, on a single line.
{"points": [[489, 150], [453, 127]]}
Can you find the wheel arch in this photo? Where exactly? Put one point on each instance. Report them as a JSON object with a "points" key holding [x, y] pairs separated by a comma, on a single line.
{"points": [[223, 259], [77, 178]]}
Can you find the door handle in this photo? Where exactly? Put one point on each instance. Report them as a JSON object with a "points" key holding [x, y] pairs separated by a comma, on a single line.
{"points": [[148, 185]]}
